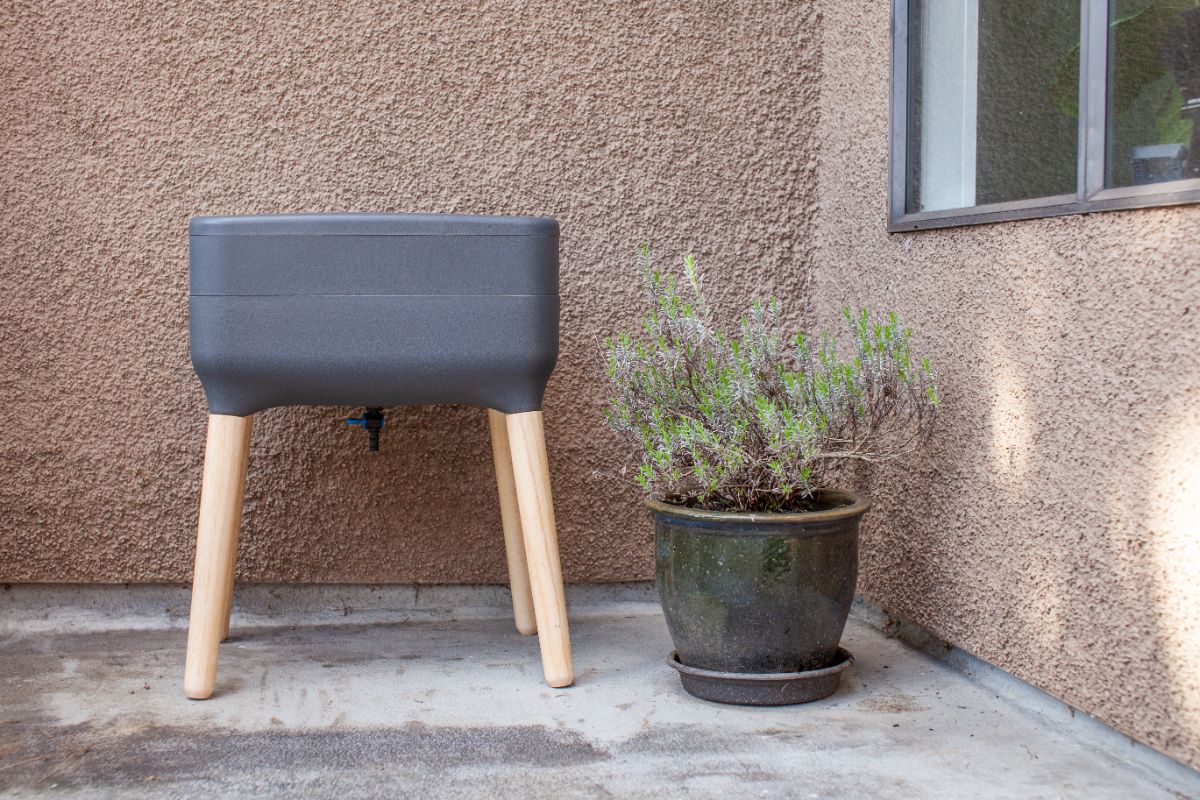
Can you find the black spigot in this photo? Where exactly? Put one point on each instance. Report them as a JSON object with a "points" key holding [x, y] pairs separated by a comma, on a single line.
{"points": [[372, 422]]}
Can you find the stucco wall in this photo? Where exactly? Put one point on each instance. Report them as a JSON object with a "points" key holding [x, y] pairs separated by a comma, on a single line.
{"points": [[1054, 528], [686, 123]]}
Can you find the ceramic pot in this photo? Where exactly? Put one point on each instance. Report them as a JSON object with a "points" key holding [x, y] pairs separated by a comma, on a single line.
{"points": [[761, 595]]}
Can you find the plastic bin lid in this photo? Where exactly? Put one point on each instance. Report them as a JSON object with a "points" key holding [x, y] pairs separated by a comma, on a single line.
{"points": [[354, 224]]}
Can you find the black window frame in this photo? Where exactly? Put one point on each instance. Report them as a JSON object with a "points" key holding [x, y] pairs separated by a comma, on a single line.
{"points": [[1090, 195]]}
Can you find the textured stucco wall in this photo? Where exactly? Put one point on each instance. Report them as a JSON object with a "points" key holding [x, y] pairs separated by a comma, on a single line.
{"points": [[1054, 528], [686, 123]]}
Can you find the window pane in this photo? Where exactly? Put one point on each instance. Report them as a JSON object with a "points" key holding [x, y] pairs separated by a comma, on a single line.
{"points": [[995, 101], [1153, 91]]}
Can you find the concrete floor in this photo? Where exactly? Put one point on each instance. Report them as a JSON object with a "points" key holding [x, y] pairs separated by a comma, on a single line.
{"points": [[409, 698]]}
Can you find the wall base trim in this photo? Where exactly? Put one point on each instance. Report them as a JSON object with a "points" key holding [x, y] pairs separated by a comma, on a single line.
{"points": [[33, 607]]}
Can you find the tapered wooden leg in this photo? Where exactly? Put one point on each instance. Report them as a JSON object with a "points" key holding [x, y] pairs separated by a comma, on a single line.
{"points": [[510, 518], [531, 475], [227, 601], [221, 493]]}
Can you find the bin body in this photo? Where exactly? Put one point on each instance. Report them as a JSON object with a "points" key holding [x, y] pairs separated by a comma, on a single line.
{"points": [[373, 310]]}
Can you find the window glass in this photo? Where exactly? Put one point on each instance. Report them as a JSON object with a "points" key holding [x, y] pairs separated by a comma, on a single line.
{"points": [[1153, 92], [994, 113]]}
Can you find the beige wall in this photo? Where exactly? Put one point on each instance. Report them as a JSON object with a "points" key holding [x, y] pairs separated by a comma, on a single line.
{"points": [[1054, 530], [687, 123]]}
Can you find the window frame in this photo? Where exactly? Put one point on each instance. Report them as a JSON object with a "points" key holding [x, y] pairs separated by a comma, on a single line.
{"points": [[1090, 195]]}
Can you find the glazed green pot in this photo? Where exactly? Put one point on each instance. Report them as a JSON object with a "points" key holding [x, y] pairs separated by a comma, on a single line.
{"points": [[758, 593]]}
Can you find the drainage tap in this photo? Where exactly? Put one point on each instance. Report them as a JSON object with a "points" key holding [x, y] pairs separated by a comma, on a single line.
{"points": [[372, 422]]}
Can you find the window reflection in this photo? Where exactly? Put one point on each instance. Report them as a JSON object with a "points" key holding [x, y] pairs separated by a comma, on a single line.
{"points": [[995, 101], [1153, 92]]}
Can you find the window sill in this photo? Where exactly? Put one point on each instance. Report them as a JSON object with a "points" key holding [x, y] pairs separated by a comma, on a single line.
{"points": [[1146, 196]]}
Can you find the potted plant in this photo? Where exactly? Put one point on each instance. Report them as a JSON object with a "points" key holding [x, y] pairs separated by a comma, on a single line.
{"points": [[745, 442]]}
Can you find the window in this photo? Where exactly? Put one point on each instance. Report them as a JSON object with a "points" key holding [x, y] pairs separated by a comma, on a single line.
{"points": [[1011, 109]]}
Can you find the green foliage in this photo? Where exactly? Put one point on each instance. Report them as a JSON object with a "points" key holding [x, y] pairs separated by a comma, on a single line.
{"points": [[755, 421], [1170, 127], [1139, 30]]}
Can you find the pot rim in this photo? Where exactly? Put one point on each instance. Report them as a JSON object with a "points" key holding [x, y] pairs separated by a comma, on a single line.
{"points": [[855, 507]]}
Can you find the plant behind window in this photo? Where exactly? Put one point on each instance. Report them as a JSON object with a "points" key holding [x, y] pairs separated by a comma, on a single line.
{"points": [[757, 422]]}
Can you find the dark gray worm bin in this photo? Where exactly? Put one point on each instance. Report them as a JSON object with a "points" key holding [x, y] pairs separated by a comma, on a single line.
{"points": [[373, 310]]}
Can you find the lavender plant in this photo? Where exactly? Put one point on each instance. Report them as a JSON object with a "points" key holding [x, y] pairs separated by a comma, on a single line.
{"points": [[755, 421]]}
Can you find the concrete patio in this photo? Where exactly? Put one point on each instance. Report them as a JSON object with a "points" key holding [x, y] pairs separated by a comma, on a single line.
{"points": [[327, 691]]}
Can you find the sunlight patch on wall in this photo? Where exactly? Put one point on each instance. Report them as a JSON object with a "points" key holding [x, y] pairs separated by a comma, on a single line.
{"points": [[1010, 439], [1175, 550], [1036, 602]]}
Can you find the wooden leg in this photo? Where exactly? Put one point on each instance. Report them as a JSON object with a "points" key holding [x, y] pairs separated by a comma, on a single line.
{"points": [[510, 517], [221, 492], [227, 600], [531, 475]]}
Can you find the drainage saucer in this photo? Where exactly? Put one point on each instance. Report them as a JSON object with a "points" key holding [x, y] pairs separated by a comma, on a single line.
{"points": [[762, 689]]}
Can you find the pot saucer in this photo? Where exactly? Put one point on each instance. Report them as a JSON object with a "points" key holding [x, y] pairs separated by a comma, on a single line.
{"points": [[762, 689]]}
